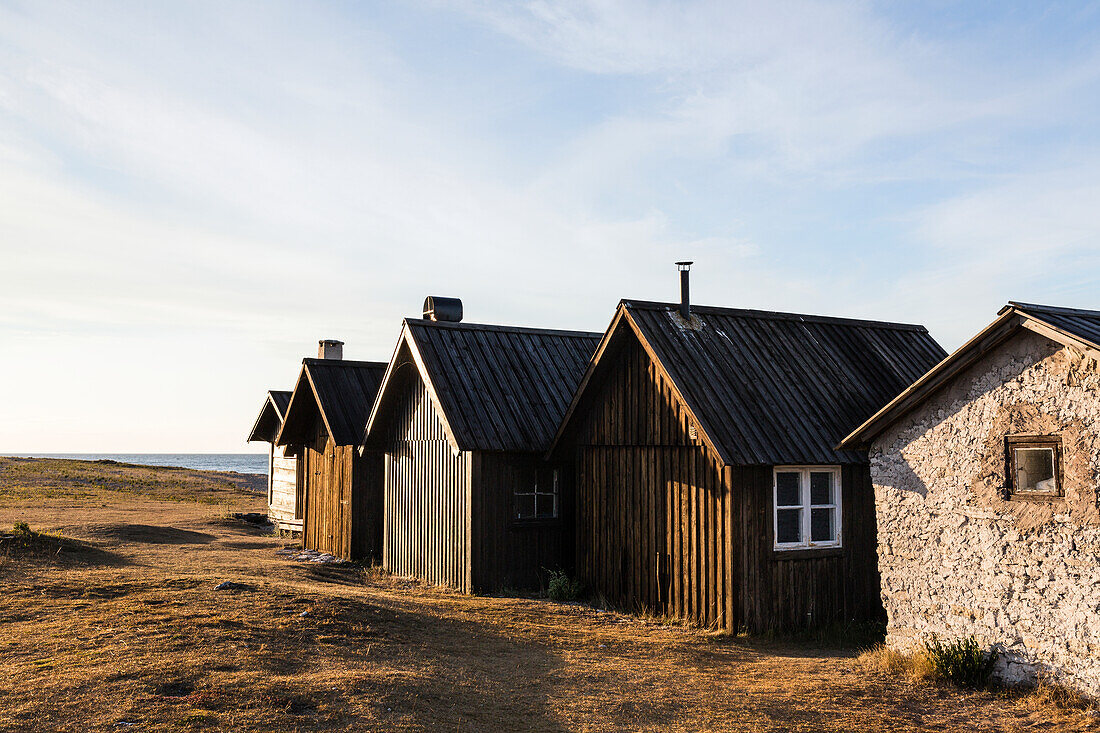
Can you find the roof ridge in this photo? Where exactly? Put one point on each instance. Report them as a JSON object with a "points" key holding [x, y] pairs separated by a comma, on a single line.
{"points": [[1054, 309], [498, 328], [775, 315]]}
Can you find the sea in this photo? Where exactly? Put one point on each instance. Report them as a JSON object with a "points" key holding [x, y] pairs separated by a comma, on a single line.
{"points": [[239, 462]]}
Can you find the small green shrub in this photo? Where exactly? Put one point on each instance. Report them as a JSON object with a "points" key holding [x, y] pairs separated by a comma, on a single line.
{"points": [[563, 588], [21, 528], [962, 661]]}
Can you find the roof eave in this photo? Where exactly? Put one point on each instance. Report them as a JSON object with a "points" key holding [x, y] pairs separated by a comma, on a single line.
{"points": [[623, 313], [280, 439], [407, 338], [268, 404], [701, 425], [1010, 318], [589, 372]]}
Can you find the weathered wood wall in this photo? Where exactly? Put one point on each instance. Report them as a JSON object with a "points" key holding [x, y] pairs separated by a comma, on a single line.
{"points": [[655, 532], [282, 489], [427, 504], [367, 504], [663, 527], [797, 589], [517, 553], [342, 497]]}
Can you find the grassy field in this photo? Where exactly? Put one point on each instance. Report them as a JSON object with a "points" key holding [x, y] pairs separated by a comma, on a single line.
{"points": [[116, 625]]}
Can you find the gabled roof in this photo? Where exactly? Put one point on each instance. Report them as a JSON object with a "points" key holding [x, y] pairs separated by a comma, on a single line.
{"points": [[494, 387], [1077, 329], [768, 388], [271, 416], [341, 391]]}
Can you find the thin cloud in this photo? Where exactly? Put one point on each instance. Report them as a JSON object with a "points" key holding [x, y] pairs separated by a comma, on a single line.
{"points": [[241, 179]]}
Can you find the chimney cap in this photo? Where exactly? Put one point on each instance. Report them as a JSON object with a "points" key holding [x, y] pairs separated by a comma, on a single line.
{"points": [[684, 265], [439, 308], [330, 349]]}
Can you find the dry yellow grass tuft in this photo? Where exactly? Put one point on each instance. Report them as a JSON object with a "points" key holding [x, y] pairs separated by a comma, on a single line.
{"points": [[916, 666], [1047, 693]]}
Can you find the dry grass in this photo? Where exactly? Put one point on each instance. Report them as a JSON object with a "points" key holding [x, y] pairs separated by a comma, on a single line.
{"points": [[88, 482], [1048, 693], [916, 666], [143, 638]]}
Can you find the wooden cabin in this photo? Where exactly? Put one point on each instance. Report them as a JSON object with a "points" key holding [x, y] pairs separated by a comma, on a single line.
{"points": [[464, 416], [708, 486], [282, 468], [985, 474], [340, 490]]}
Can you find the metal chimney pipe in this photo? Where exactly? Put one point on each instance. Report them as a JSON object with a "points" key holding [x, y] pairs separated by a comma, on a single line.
{"points": [[685, 297]]}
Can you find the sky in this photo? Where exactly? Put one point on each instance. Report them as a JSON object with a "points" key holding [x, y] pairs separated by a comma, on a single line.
{"points": [[192, 194]]}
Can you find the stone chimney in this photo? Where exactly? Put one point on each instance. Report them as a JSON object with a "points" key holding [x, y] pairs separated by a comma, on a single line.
{"points": [[330, 349]]}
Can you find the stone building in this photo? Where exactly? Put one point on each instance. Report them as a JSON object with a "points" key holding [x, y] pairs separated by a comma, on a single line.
{"points": [[986, 473]]}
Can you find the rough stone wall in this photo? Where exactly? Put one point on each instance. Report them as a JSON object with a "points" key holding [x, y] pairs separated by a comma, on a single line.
{"points": [[956, 557]]}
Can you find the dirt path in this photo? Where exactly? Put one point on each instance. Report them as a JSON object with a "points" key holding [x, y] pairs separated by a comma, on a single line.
{"points": [[129, 634]]}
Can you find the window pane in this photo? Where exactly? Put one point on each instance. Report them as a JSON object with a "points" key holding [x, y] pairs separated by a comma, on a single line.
{"points": [[525, 506], [788, 525], [545, 505], [786, 489], [822, 527], [1035, 469], [821, 487]]}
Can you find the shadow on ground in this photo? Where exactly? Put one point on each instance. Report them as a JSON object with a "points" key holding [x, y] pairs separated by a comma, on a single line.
{"points": [[45, 549], [150, 534]]}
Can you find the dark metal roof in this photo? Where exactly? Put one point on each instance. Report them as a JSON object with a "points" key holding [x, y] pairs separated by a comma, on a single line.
{"points": [[341, 391], [270, 418], [1068, 326], [780, 388], [280, 400], [1082, 324], [498, 387]]}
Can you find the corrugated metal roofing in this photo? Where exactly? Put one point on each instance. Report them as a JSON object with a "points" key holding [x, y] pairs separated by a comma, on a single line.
{"points": [[342, 390], [270, 418], [1083, 324], [782, 388], [501, 387]]}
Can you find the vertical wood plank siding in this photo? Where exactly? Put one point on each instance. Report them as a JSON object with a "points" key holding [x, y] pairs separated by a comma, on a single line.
{"points": [[342, 494], [511, 553], [367, 502], [663, 527], [426, 497], [785, 590]]}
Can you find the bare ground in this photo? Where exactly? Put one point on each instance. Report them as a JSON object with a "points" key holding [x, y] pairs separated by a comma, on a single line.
{"points": [[123, 630]]}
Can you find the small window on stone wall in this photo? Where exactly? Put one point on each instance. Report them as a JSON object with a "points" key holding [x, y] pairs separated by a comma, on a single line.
{"points": [[1034, 466]]}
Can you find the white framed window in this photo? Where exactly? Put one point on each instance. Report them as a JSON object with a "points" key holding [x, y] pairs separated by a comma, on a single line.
{"points": [[538, 500], [806, 507]]}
